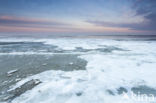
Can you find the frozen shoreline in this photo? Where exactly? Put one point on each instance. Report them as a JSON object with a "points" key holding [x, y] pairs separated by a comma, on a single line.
{"points": [[112, 67]]}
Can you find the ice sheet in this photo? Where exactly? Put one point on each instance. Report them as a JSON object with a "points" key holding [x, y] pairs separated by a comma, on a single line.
{"points": [[104, 71]]}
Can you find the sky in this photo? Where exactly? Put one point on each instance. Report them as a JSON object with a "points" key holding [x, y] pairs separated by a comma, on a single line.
{"points": [[86, 16]]}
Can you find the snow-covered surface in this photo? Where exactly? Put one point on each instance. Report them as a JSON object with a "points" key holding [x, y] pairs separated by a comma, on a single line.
{"points": [[104, 71]]}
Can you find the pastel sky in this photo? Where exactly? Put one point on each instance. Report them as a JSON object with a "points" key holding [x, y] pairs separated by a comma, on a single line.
{"points": [[126, 16]]}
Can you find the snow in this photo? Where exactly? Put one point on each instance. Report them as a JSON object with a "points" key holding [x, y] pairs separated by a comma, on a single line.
{"points": [[104, 71]]}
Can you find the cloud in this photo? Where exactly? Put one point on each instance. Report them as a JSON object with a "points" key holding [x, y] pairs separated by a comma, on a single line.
{"points": [[143, 8], [146, 8], [132, 26], [15, 24], [29, 22]]}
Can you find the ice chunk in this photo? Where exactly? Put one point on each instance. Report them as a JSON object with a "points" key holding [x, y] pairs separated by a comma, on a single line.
{"points": [[9, 73], [21, 89], [71, 63]]}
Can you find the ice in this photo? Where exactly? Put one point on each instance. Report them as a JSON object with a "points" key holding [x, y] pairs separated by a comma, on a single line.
{"points": [[10, 73], [104, 72], [71, 63]]}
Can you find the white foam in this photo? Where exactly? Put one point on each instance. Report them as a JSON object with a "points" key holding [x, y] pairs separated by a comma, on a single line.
{"points": [[103, 72]]}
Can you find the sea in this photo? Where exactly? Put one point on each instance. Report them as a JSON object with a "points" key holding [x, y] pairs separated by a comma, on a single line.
{"points": [[78, 69]]}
